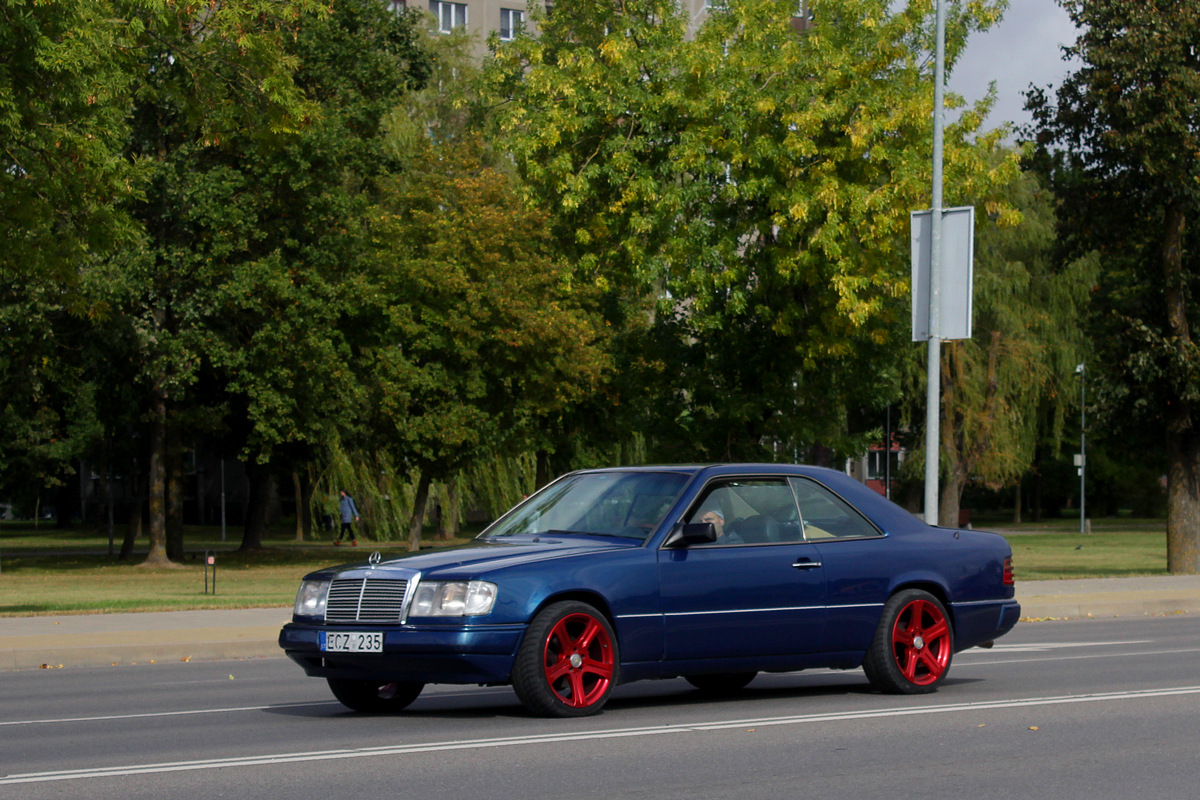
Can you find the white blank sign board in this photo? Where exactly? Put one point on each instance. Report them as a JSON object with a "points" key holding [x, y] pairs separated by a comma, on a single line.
{"points": [[958, 272]]}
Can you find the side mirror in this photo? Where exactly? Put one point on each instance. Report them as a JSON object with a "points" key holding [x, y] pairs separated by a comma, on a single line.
{"points": [[692, 533]]}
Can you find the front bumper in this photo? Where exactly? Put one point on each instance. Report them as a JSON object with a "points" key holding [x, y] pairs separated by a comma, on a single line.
{"points": [[425, 654]]}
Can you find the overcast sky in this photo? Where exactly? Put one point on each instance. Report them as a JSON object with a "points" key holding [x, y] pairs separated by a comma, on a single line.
{"points": [[1025, 48]]}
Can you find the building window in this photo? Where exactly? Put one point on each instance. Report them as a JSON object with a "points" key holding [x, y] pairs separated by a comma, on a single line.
{"points": [[396, 6], [879, 469], [512, 20], [449, 15]]}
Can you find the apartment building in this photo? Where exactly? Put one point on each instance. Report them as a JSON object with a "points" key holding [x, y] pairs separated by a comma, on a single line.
{"points": [[506, 17]]}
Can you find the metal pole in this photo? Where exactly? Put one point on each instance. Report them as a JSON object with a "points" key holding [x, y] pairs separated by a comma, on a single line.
{"points": [[887, 456], [1082, 449], [222, 499], [109, 502], [933, 376]]}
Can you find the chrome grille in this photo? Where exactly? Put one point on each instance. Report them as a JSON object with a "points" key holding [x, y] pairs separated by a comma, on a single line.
{"points": [[365, 600]]}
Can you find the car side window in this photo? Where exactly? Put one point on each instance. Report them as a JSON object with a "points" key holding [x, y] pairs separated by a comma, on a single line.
{"points": [[824, 515], [749, 511]]}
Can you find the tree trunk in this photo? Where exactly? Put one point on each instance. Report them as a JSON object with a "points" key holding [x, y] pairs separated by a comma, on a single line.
{"points": [[67, 502], [1017, 503], [542, 474], [963, 449], [1183, 496], [257, 506], [450, 514], [134, 529], [175, 492], [157, 477], [418, 514], [1183, 440], [303, 515]]}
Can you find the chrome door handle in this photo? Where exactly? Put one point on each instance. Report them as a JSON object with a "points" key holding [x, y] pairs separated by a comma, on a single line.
{"points": [[806, 564]]}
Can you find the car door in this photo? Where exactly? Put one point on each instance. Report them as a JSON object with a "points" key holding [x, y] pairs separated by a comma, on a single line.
{"points": [[857, 559], [759, 590]]}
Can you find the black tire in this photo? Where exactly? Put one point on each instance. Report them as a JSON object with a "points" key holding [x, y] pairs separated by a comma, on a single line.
{"points": [[567, 663], [375, 697], [913, 645], [722, 684]]}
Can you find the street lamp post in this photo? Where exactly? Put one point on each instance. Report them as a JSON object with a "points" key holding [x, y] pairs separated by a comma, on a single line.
{"points": [[1082, 449], [933, 361]]}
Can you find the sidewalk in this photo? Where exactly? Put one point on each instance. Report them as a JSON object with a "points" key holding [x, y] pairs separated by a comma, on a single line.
{"points": [[161, 637], [91, 640]]}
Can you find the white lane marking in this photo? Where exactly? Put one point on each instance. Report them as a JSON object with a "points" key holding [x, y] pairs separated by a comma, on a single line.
{"points": [[1033, 647], [971, 657], [234, 709], [958, 663], [614, 733], [148, 714]]}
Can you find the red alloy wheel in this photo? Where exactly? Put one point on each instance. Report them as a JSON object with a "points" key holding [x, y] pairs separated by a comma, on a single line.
{"points": [[578, 660], [921, 642]]}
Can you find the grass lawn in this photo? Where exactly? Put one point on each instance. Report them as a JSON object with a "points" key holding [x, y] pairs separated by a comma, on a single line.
{"points": [[46, 571], [1054, 556], [1055, 549]]}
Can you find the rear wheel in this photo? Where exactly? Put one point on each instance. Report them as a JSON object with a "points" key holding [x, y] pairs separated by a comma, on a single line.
{"points": [[725, 683], [375, 697], [913, 644], [567, 664]]}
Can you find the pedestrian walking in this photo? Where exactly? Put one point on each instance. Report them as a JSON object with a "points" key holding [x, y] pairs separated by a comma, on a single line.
{"points": [[349, 513]]}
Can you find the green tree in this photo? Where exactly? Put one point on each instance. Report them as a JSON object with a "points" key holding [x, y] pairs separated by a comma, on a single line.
{"points": [[755, 181], [214, 90], [480, 332], [63, 102], [1014, 376], [1123, 145], [287, 335]]}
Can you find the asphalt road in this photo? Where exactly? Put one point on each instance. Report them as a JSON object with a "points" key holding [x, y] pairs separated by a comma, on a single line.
{"points": [[1088, 709]]}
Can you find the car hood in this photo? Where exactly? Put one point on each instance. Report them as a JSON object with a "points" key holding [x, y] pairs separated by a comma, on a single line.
{"points": [[478, 558]]}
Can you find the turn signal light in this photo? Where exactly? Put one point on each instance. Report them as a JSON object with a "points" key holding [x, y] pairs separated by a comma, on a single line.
{"points": [[1009, 579]]}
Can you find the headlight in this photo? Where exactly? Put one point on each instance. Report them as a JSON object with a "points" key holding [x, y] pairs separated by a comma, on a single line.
{"points": [[453, 599], [310, 600]]}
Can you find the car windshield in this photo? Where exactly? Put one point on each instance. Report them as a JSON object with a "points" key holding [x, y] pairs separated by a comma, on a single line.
{"points": [[628, 504]]}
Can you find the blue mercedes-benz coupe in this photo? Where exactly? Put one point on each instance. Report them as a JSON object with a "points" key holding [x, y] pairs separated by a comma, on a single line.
{"points": [[713, 573]]}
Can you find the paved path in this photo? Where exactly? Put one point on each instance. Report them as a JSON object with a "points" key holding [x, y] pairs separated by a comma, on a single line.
{"points": [[159, 637]]}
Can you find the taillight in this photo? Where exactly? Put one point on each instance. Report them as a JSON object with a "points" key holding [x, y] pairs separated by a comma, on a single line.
{"points": [[1009, 579]]}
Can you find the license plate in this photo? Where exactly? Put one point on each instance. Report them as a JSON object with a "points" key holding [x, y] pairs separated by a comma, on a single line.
{"points": [[352, 641]]}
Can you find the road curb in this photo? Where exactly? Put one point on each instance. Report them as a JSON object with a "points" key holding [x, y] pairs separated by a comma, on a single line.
{"points": [[19, 653]]}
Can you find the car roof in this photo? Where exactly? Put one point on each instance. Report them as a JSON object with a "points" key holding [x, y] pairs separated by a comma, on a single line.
{"points": [[881, 511], [726, 468]]}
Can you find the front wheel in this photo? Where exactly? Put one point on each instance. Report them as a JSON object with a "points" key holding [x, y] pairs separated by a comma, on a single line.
{"points": [[911, 651], [375, 697], [567, 664]]}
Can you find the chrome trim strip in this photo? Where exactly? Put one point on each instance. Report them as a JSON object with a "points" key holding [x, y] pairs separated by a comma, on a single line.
{"points": [[748, 611], [983, 602], [409, 593], [742, 611]]}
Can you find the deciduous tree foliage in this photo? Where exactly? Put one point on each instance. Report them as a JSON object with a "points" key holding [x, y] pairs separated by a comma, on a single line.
{"points": [[756, 178], [480, 333], [259, 125], [1123, 139], [1002, 387], [63, 100]]}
